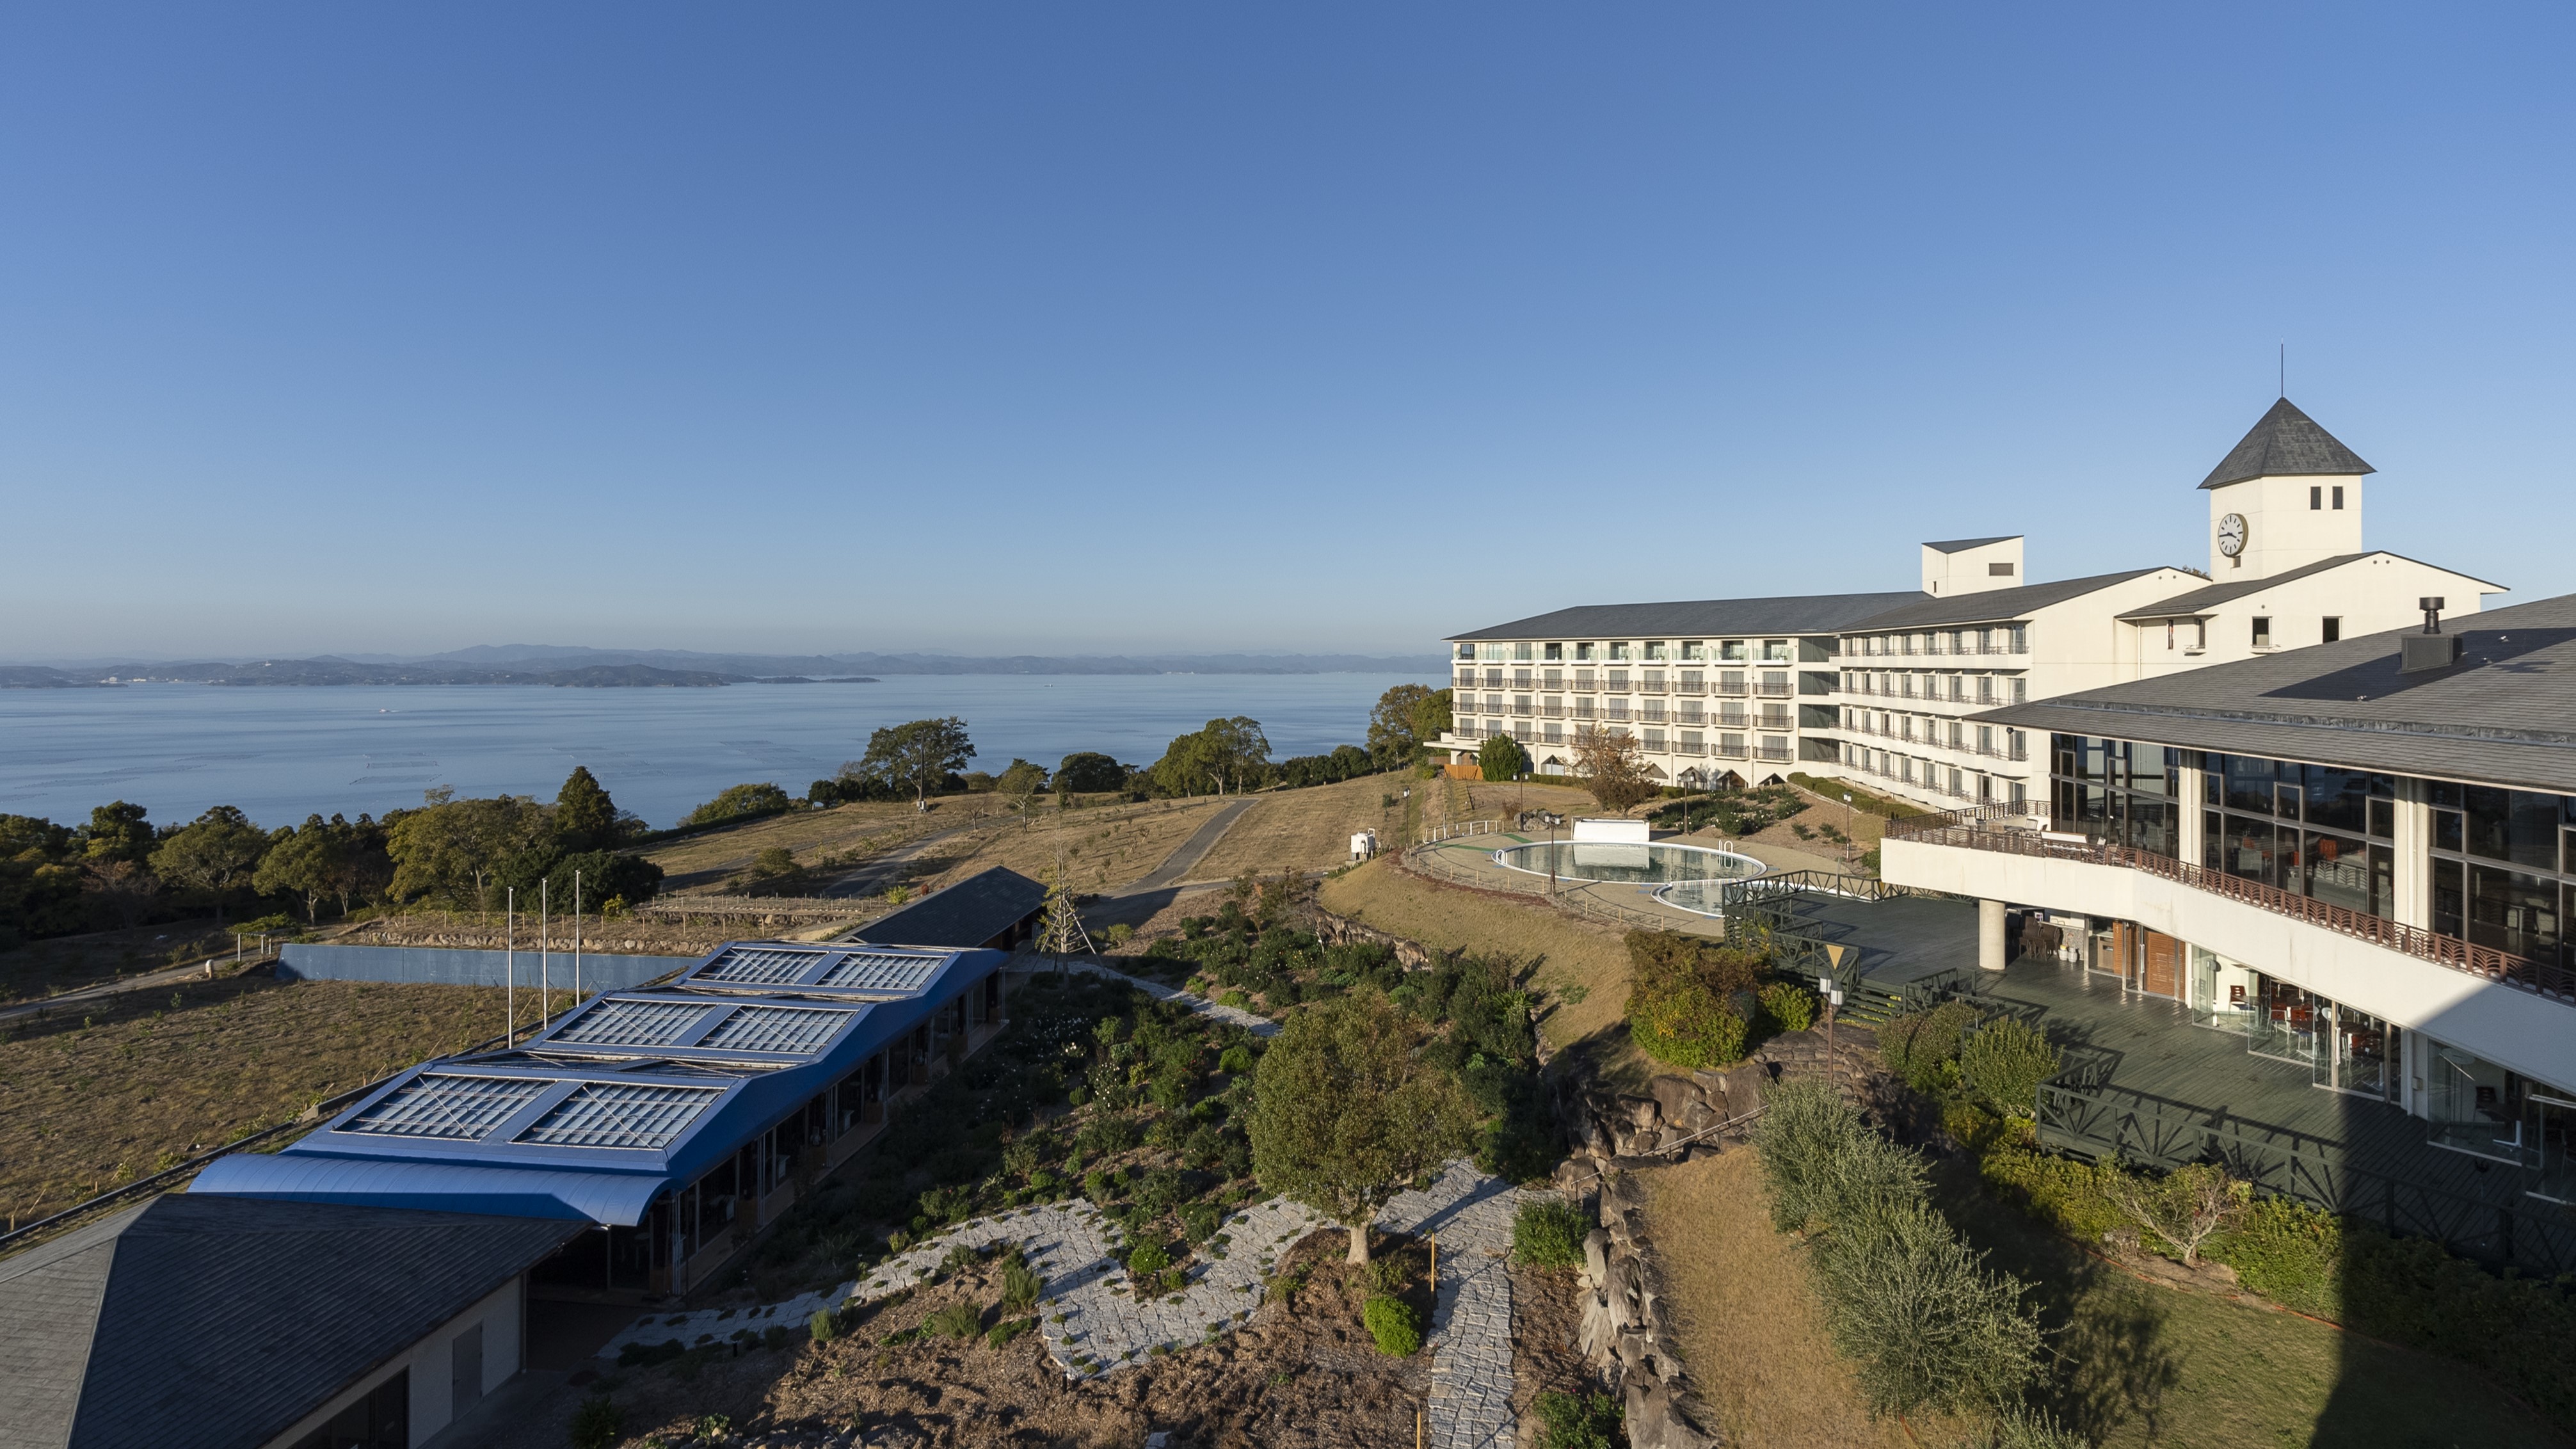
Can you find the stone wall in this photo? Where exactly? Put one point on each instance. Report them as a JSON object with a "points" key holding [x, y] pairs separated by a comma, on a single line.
{"points": [[1335, 930]]}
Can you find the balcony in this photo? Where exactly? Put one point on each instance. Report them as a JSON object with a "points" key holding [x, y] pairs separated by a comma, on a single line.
{"points": [[1551, 711], [1732, 689], [1583, 681], [1775, 691], [1776, 754], [1992, 828]]}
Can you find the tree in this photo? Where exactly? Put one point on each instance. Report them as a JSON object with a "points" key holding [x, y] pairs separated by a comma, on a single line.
{"points": [[919, 754], [1020, 785], [304, 861], [1345, 1116], [585, 818], [1224, 754], [608, 876], [1087, 772], [735, 800], [1432, 715], [1612, 768], [117, 831], [2182, 1209], [1502, 758], [1394, 733], [456, 849], [124, 885], [216, 853]]}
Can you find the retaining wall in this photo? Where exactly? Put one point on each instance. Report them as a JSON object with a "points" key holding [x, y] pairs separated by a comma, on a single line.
{"points": [[436, 966]]}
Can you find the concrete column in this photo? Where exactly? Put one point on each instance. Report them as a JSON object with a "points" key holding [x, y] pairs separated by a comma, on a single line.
{"points": [[1990, 935], [2414, 851]]}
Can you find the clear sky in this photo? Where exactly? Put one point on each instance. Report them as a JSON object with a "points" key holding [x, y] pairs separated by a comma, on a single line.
{"points": [[1129, 327]]}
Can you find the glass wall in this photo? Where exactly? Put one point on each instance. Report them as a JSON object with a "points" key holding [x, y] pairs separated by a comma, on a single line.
{"points": [[2116, 791], [2504, 869], [2312, 830]]}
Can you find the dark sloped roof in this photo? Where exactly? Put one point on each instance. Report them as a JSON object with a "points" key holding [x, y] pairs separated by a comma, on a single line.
{"points": [[1962, 545], [1923, 611], [218, 1321], [2286, 443], [2504, 715], [2201, 601], [1699, 619], [969, 913]]}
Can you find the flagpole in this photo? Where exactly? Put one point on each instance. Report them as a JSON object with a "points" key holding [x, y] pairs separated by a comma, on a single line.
{"points": [[510, 962], [576, 938], [545, 954]]}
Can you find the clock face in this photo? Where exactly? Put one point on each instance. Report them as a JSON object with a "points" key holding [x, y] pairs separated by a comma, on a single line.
{"points": [[2231, 534]]}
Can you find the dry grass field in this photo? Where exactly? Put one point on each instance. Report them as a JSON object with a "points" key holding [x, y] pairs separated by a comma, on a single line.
{"points": [[67, 963], [90, 1102], [705, 860], [1583, 968], [1309, 829], [1751, 1327], [1104, 846]]}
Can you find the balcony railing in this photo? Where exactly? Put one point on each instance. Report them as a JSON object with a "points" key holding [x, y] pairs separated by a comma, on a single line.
{"points": [[1776, 754], [1775, 691], [1552, 711], [1976, 830]]}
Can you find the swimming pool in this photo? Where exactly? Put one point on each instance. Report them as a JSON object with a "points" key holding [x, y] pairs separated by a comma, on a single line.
{"points": [[1628, 863]]}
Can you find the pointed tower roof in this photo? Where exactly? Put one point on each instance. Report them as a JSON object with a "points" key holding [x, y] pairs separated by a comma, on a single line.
{"points": [[2287, 443]]}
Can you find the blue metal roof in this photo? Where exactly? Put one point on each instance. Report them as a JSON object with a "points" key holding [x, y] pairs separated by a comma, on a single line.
{"points": [[625, 1094]]}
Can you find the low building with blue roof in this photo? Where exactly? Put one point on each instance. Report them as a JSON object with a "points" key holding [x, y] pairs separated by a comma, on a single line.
{"points": [[679, 1118]]}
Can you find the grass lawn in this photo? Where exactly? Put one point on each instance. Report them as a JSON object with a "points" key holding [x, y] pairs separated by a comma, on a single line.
{"points": [[1308, 829], [1583, 968], [89, 1102], [706, 858]]}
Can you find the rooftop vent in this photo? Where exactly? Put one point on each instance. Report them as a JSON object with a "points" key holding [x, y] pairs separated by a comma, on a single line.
{"points": [[2431, 649]]}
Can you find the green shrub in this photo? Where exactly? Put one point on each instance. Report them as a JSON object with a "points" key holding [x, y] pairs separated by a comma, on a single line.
{"points": [[957, 1320], [1820, 1160], [1147, 1259], [2006, 1061], [1548, 1233], [2289, 1253], [1010, 1329], [597, 1424], [1393, 1325], [1585, 1421], [1200, 1220], [824, 1325], [2027, 1429], [1912, 1307], [1790, 1005], [2060, 1191], [1021, 1286], [1680, 1007], [1919, 1046], [1236, 1060]]}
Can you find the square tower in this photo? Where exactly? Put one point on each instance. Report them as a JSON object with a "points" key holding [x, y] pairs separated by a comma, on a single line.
{"points": [[1972, 566], [2287, 496]]}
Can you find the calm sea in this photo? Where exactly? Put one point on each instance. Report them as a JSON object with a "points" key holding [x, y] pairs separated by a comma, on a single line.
{"points": [[282, 753]]}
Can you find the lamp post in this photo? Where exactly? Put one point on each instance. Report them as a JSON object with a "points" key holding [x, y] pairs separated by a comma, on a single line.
{"points": [[1848, 842]]}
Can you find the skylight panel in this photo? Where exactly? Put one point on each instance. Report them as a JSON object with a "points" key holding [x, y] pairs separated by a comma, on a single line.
{"points": [[634, 1023], [443, 1105], [876, 971], [776, 1029], [761, 965], [620, 1114]]}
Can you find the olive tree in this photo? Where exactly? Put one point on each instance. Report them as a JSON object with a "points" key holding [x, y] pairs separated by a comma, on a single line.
{"points": [[1345, 1115]]}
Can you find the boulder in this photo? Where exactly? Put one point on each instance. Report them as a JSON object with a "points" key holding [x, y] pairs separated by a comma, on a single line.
{"points": [[1596, 1257], [1659, 1418], [1674, 1096], [1642, 1111]]}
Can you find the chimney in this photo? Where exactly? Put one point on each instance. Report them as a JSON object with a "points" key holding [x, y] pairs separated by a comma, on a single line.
{"points": [[2431, 649]]}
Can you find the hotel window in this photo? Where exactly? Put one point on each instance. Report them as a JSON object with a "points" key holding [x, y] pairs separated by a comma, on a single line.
{"points": [[2262, 632], [1493, 679], [2333, 628], [1493, 704], [2020, 690], [1655, 740], [2338, 496], [1554, 678], [2316, 497], [1954, 783], [1731, 649], [1554, 733], [1493, 653], [1654, 649], [2021, 638], [1520, 679], [1985, 689], [2522, 911], [1730, 745], [2311, 830], [1690, 711], [1555, 654], [1618, 679], [1619, 651], [2020, 795], [1958, 735], [1521, 653], [1693, 651], [1693, 742], [1582, 652], [1775, 651], [1583, 708], [1652, 709]]}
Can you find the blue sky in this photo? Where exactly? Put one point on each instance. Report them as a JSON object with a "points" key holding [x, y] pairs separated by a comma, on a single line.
{"points": [[1140, 327]]}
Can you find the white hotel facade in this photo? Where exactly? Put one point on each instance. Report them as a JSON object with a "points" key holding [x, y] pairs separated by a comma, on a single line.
{"points": [[1883, 688]]}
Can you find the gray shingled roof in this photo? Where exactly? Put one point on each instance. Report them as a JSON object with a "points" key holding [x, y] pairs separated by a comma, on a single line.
{"points": [[2504, 715], [969, 913], [1700, 619], [1923, 611], [2201, 601], [1962, 545], [199, 1320], [2286, 443]]}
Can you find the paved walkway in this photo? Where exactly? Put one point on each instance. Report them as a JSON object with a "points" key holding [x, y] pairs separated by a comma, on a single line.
{"points": [[1093, 1324], [1190, 852], [1251, 1021]]}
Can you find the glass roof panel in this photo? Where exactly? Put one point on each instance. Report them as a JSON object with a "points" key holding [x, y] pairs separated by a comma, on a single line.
{"points": [[616, 1022], [620, 1114], [760, 965], [882, 971], [776, 1029], [439, 1104]]}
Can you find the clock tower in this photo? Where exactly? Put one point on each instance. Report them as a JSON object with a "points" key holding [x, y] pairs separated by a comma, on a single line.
{"points": [[2287, 496]]}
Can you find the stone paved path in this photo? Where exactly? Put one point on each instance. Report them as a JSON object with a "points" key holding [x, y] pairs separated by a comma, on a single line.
{"points": [[1093, 1325], [1251, 1021]]}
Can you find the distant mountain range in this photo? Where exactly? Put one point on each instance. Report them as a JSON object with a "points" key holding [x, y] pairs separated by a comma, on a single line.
{"points": [[568, 666]]}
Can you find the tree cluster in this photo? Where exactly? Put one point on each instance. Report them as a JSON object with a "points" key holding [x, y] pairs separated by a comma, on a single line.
{"points": [[119, 869]]}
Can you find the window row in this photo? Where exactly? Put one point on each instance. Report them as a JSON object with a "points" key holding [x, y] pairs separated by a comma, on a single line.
{"points": [[1654, 740], [1934, 776], [1994, 741], [1959, 688], [1643, 681], [1631, 650], [1987, 639]]}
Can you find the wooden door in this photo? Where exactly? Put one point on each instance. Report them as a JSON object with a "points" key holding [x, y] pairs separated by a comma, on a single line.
{"points": [[2162, 973], [2124, 953]]}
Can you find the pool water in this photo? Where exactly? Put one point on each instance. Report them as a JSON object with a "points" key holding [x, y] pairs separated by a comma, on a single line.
{"points": [[1626, 863]]}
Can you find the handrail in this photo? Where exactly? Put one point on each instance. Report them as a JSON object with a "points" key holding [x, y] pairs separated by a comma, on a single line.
{"points": [[2539, 977]]}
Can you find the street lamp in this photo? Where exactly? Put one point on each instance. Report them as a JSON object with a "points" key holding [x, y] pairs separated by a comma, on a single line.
{"points": [[1848, 842]]}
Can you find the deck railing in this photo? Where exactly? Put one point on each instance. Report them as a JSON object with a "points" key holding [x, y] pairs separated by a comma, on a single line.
{"points": [[1972, 830]]}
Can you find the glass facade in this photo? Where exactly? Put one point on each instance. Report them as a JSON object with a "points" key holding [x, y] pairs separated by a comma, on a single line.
{"points": [[2117, 791], [2504, 869], [2311, 830]]}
